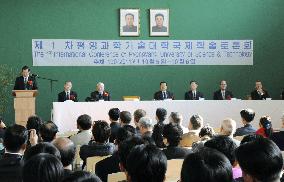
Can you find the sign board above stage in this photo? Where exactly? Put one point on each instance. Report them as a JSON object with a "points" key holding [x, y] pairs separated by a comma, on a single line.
{"points": [[71, 52]]}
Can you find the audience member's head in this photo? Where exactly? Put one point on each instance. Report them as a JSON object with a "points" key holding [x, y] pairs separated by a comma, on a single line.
{"points": [[247, 115], [173, 134], [67, 150], [124, 132], [260, 160], [34, 122], [228, 127], [195, 122], [44, 147], [113, 114], [265, 122], [101, 131], [48, 131], [82, 176], [161, 114], [15, 139], [206, 165], [225, 145], [43, 168], [176, 117], [138, 114], [145, 125], [125, 117], [84, 122], [146, 163], [206, 131], [250, 138]]}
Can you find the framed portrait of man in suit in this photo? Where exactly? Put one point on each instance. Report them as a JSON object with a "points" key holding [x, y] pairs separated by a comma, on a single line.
{"points": [[129, 22], [159, 22]]}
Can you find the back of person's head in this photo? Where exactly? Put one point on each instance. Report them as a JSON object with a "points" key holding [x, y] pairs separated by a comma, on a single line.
{"points": [[173, 134], [260, 160], [196, 121], [43, 168], [265, 122], [67, 150], [206, 165], [101, 131], [138, 114], [15, 138], [250, 138], [44, 147], [225, 145], [176, 117], [124, 132], [82, 176], [125, 117], [161, 114], [206, 131], [34, 122], [228, 127], [247, 115], [84, 122], [113, 114], [146, 123], [48, 131], [146, 163]]}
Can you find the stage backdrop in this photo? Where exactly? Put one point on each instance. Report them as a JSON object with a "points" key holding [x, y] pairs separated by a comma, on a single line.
{"points": [[257, 20]]}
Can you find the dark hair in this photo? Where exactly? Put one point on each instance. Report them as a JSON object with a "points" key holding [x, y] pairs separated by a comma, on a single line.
{"points": [[250, 138], [265, 121], [48, 131], [125, 147], [67, 150], [34, 122], [163, 82], [173, 134], [146, 163], [114, 114], [138, 114], [26, 68], [125, 117], [196, 121], [225, 145], [247, 114], [15, 137], [43, 168], [206, 131], [206, 165], [261, 159], [82, 176], [193, 81], [43, 147], [101, 131], [159, 14], [84, 121], [124, 132], [161, 114], [129, 14]]}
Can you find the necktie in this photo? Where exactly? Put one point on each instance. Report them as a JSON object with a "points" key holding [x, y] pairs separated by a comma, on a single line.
{"points": [[68, 96], [25, 80], [194, 95], [223, 95], [164, 95]]}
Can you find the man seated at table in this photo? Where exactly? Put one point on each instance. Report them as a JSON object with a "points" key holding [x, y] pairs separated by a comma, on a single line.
{"points": [[193, 94], [100, 93], [25, 81], [259, 93], [67, 94], [223, 93], [163, 93]]}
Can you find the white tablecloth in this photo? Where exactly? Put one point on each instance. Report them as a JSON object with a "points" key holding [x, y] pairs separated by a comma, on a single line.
{"points": [[65, 114]]}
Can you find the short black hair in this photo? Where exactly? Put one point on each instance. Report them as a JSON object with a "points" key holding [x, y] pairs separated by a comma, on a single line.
{"points": [[48, 131], [26, 68], [193, 81], [261, 159], [163, 82], [161, 114], [206, 165], [196, 121], [250, 138], [34, 122], [124, 132], [43, 167], [206, 131], [101, 131], [129, 14], [159, 14], [138, 114], [84, 121], [43, 147], [225, 145], [15, 137], [113, 114], [67, 150], [125, 117], [173, 133], [81, 176], [146, 163], [247, 114]]}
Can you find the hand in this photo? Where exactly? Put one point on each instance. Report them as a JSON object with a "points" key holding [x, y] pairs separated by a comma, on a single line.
{"points": [[33, 137], [2, 124]]}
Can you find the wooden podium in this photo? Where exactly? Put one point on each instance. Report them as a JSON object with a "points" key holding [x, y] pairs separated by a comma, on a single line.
{"points": [[24, 105]]}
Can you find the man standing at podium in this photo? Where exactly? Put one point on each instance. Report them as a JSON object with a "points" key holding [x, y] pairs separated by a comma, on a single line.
{"points": [[67, 94], [25, 82]]}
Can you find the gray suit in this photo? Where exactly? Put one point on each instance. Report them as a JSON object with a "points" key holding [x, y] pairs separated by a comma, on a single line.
{"points": [[129, 28], [159, 29]]}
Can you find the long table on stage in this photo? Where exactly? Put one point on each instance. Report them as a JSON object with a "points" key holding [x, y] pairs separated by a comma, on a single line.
{"points": [[213, 112]]}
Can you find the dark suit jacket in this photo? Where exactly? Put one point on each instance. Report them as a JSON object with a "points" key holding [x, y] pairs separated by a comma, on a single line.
{"points": [[62, 96], [10, 168], [218, 95], [158, 134], [114, 126], [20, 84], [96, 96], [255, 96], [159, 95], [247, 129], [278, 139], [176, 152], [282, 95], [189, 96]]}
